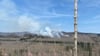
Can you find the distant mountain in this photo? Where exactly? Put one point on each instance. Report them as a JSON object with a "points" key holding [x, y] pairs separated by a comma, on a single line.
{"points": [[15, 34], [82, 37], [54, 34]]}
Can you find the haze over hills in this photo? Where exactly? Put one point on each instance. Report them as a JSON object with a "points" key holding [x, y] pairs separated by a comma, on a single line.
{"points": [[81, 36], [53, 34]]}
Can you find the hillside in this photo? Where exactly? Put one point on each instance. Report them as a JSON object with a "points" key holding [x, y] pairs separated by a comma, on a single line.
{"points": [[58, 35], [18, 43]]}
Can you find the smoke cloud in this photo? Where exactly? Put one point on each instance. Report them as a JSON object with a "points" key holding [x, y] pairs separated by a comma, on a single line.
{"points": [[14, 20], [28, 24]]}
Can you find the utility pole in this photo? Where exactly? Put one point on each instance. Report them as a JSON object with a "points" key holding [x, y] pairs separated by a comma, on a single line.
{"points": [[75, 26]]}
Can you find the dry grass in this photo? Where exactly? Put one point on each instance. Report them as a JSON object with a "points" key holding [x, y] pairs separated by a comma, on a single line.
{"points": [[38, 49]]}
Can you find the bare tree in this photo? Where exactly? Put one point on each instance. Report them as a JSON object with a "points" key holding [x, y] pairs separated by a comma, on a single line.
{"points": [[75, 26]]}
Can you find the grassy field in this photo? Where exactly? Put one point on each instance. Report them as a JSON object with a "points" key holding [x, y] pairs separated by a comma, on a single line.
{"points": [[39, 49]]}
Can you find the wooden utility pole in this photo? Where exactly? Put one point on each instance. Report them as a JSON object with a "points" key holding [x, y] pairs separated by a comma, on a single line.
{"points": [[75, 26]]}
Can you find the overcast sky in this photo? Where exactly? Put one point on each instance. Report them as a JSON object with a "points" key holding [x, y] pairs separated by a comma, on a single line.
{"points": [[38, 15]]}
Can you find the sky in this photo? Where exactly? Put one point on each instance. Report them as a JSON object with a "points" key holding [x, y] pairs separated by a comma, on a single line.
{"points": [[48, 15]]}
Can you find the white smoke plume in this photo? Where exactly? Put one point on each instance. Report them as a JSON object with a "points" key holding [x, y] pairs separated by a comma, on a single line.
{"points": [[12, 20], [49, 31]]}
